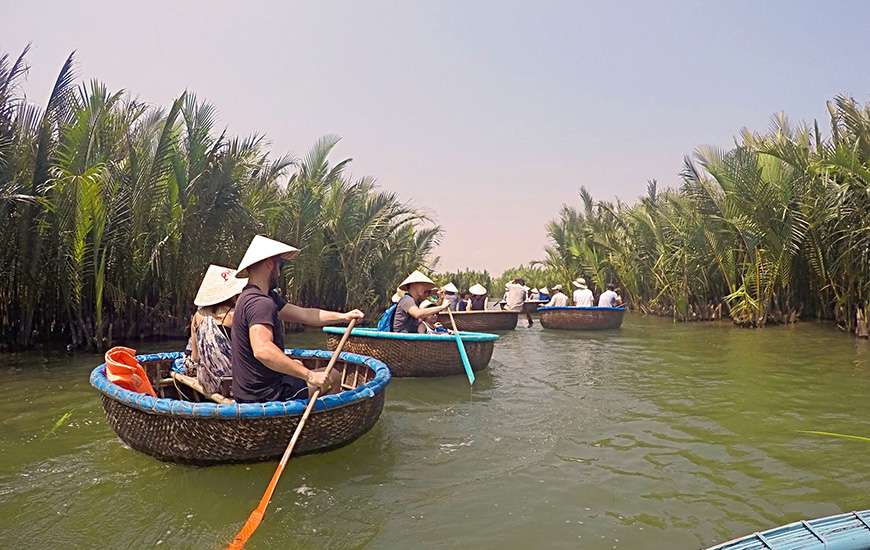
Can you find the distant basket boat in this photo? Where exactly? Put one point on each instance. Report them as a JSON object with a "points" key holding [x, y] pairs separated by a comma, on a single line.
{"points": [[174, 429], [842, 532], [481, 321], [409, 355], [581, 318]]}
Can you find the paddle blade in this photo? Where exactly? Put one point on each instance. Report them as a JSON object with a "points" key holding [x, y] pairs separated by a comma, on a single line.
{"points": [[464, 356], [247, 530]]}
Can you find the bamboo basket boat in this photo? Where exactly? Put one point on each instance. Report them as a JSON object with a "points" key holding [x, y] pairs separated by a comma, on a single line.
{"points": [[581, 318], [481, 321], [172, 428], [409, 355], [841, 532]]}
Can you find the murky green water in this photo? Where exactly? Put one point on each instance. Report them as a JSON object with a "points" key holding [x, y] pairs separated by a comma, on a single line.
{"points": [[654, 436]]}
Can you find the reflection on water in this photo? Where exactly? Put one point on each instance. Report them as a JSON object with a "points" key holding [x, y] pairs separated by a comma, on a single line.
{"points": [[655, 436]]}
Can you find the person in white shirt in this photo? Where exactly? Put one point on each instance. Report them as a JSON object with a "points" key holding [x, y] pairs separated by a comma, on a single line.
{"points": [[609, 298], [582, 295], [559, 298]]}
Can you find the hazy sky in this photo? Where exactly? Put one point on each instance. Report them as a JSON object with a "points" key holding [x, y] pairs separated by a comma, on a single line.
{"points": [[490, 115]]}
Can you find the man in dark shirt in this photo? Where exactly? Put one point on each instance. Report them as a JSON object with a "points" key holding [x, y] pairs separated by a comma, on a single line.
{"points": [[261, 370], [409, 316]]}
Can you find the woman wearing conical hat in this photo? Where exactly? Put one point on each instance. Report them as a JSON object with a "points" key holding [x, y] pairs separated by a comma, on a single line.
{"points": [[409, 316], [211, 357], [478, 297], [261, 370], [451, 294]]}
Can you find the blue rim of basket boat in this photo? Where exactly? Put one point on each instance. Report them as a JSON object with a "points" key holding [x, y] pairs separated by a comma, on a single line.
{"points": [[580, 308], [295, 407], [850, 531], [375, 333]]}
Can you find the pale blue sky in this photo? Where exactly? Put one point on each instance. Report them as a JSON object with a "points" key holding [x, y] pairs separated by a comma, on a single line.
{"points": [[490, 115]]}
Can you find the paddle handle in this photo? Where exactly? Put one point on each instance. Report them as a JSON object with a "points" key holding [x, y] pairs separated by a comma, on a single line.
{"points": [[256, 516], [463, 356]]}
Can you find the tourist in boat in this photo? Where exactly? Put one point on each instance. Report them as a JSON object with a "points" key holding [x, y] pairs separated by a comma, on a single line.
{"points": [[409, 315], [544, 295], [516, 295], [559, 298], [211, 357], [261, 370], [478, 297], [609, 298], [582, 295], [451, 294]]}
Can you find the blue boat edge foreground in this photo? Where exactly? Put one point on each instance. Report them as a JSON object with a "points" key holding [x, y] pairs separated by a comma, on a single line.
{"points": [[849, 531], [417, 355], [178, 430], [581, 318]]}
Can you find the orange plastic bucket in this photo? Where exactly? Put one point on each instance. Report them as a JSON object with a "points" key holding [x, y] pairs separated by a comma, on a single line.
{"points": [[123, 369]]}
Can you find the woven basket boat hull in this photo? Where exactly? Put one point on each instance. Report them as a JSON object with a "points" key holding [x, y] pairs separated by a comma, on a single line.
{"points": [[840, 532], [481, 321], [248, 432], [413, 355], [581, 318]]}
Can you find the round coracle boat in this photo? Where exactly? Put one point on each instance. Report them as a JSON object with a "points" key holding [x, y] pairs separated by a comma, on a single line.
{"points": [[409, 355], [180, 426], [842, 532], [481, 321], [581, 318]]}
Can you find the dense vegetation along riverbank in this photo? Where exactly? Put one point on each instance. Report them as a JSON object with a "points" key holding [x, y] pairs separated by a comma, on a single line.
{"points": [[111, 209], [776, 229]]}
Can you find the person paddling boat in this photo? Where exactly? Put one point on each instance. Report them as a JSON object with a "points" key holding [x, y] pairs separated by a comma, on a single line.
{"points": [[261, 370], [409, 316]]}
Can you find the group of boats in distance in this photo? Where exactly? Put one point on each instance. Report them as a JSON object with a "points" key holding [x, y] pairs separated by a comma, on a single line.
{"points": [[184, 425]]}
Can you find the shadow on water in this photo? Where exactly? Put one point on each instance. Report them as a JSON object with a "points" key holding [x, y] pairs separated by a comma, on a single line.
{"points": [[656, 436]]}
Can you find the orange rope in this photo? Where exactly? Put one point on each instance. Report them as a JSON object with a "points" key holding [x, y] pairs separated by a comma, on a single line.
{"points": [[256, 516]]}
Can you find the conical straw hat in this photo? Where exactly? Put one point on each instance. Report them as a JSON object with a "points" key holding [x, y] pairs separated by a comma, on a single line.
{"points": [[416, 277], [580, 282], [450, 287], [477, 289], [219, 285], [545, 290], [534, 290], [261, 248], [557, 287]]}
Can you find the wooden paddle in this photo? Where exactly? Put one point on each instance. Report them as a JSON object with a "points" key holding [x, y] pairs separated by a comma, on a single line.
{"points": [[257, 515], [461, 347]]}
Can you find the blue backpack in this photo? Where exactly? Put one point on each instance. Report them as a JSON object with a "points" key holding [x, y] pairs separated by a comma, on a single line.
{"points": [[385, 323]]}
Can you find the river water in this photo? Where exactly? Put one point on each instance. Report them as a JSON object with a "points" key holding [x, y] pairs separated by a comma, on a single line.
{"points": [[657, 435]]}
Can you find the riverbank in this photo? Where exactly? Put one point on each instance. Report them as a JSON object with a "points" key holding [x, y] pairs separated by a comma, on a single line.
{"points": [[659, 435]]}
